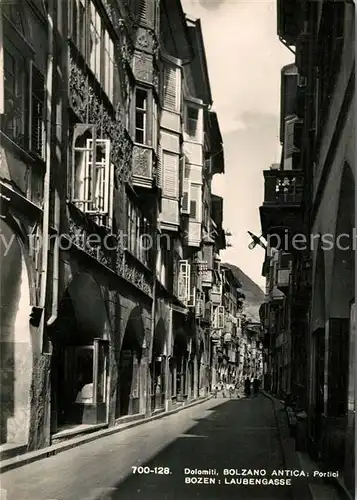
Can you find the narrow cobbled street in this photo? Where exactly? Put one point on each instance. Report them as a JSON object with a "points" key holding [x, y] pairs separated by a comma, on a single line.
{"points": [[218, 434]]}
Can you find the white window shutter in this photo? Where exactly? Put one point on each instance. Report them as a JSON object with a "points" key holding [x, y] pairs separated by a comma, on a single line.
{"points": [[171, 97], [154, 126], [183, 280], [289, 142], [159, 166], [220, 317], [170, 175], [83, 182], [99, 169], [191, 301], [188, 292], [213, 317], [106, 179], [185, 175], [198, 307], [191, 292]]}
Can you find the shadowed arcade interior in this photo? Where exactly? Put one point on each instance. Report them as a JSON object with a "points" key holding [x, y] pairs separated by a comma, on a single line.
{"points": [[130, 364], [80, 356]]}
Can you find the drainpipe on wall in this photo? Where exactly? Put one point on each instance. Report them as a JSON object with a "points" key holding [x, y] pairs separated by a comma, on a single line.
{"points": [[153, 313], [57, 201], [168, 394], [47, 179]]}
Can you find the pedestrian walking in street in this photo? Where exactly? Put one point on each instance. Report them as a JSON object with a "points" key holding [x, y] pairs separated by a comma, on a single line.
{"points": [[256, 386], [247, 387], [230, 389]]}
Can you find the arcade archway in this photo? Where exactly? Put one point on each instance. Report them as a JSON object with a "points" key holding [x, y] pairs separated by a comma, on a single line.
{"points": [[15, 341], [318, 352], [157, 367], [130, 364], [178, 366], [80, 360], [200, 368]]}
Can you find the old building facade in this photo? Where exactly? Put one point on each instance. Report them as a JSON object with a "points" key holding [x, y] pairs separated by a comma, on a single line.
{"points": [[111, 230], [309, 317]]}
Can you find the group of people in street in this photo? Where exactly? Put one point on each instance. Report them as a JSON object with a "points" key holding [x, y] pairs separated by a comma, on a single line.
{"points": [[251, 383], [230, 389]]}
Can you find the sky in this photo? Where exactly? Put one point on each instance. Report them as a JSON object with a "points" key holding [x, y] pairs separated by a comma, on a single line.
{"points": [[244, 58]]}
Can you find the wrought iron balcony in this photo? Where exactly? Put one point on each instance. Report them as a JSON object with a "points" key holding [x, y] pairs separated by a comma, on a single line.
{"points": [[105, 249], [288, 20], [283, 196]]}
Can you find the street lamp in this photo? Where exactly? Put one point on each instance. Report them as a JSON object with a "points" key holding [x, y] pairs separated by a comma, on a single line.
{"points": [[256, 241]]}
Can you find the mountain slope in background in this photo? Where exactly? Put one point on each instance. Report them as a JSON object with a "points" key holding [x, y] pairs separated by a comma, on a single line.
{"points": [[254, 295]]}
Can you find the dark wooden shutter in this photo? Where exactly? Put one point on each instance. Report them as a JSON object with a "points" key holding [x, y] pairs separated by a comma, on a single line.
{"points": [[195, 200], [142, 10]]}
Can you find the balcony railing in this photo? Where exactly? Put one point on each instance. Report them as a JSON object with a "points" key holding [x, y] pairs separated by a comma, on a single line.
{"points": [[283, 187], [282, 205]]}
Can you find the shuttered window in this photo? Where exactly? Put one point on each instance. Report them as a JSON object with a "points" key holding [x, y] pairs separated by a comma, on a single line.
{"points": [[159, 166], [37, 111], [185, 203], [289, 137], [195, 202], [171, 89], [170, 174], [142, 10], [183, 280]]}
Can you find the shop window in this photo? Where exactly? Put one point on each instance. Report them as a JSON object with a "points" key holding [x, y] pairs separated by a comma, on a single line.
{"points": [[86, 372]]}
